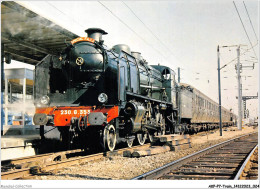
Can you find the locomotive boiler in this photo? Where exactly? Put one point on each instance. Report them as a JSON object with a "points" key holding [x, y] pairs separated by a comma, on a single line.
{"points": [[97, 96]]}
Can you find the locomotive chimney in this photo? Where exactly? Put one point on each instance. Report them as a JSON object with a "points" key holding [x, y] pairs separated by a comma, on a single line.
{"points": [[95, 33]]}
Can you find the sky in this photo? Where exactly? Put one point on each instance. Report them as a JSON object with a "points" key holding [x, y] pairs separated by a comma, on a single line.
{"points": [[174, 33]]}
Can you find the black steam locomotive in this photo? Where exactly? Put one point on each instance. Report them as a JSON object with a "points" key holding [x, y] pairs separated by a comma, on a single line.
{"points": [[97, 95]]}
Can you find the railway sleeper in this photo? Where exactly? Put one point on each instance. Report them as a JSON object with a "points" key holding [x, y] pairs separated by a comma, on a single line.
{"points": [[252, 173], [249, 148], [225, 156], [232, 152], [245, 142], [194, 177], [203, 170], [219, 161], [241, 148], [223, 165], [252, 178], [239, 145], [255, 166], [204, 173], [210, 163]]}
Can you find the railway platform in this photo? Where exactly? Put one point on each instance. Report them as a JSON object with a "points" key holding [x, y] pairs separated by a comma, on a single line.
{"points": [[21, 130], [15, 146], [22, 141]]}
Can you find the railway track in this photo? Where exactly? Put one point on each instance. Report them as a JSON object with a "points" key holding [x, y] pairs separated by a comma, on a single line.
{"points": [[219, 162], [249, 169], [25, 162], [45, 164]]}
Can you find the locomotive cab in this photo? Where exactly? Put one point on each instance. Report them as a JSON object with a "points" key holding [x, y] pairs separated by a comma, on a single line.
{"points": [[169, 83]]}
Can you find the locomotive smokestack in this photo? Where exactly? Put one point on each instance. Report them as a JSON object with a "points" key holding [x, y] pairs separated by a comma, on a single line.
{"points": [[95, 33]]}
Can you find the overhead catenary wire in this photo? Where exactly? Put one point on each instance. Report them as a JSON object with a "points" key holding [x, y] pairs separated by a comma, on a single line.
{"points": [[117, 18], [250, 21], [244, 28], [64, 13], [230, 75], [160, 53], [239, 56], [127, 27], [131, 29], [148, 28]]}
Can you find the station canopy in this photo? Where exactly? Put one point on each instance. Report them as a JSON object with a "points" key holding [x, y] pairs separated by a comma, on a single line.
{"points": [[29, 37]]}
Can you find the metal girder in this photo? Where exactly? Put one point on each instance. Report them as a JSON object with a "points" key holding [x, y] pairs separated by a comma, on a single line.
{"points": [[249, 97], [244, 99], [22, 54], [26, 44]]}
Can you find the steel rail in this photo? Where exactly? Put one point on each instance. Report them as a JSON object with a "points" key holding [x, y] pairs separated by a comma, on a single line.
{"points": [[239, 173], [37, 157], [178, 163], [26, 172]]}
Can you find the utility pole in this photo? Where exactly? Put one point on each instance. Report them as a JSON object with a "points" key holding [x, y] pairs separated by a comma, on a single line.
{"points": [[239, 124], [2, 87], [239, 86], [179, 95], [179, 76], [219, 94]]}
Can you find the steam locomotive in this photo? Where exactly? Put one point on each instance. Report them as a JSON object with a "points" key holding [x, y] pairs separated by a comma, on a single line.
{"points": [[95, 95]]}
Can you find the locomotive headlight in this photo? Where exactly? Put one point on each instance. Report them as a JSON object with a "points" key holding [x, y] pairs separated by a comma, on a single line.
{"points": [[45, 100], [102, 97]]}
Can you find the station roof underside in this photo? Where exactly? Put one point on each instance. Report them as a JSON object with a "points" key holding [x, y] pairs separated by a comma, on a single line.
{"points": [[29, 37]]}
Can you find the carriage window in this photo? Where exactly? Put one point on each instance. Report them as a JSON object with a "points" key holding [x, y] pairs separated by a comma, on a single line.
{"points": [[166, 74]]}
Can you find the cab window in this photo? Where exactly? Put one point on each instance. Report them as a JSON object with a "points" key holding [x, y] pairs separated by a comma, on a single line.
{"points": [[166, 74]]}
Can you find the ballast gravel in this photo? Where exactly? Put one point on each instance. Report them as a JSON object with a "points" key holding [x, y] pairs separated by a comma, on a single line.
{"points": [[118, 167]]}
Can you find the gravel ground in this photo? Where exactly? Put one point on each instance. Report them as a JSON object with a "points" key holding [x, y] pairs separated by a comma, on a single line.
{"points": [[117, 167]]}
